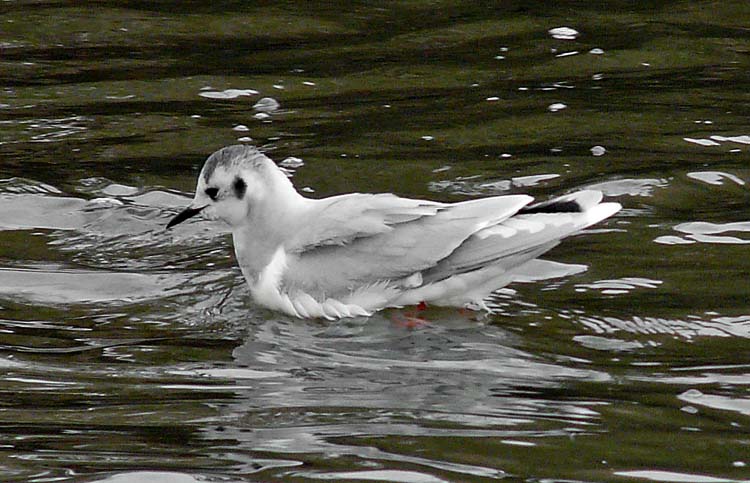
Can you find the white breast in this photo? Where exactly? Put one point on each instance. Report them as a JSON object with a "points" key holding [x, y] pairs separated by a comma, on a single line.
{"points": [[268, 292]]}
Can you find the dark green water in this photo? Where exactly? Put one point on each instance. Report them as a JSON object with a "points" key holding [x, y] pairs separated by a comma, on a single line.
{"points": [[131, 354]]}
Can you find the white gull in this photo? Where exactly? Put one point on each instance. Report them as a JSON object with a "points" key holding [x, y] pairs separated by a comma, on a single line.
{"points": [[354, 254]]}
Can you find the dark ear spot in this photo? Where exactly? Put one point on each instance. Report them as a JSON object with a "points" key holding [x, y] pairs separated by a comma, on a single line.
{"points": [[212, 193], [239, 187]]}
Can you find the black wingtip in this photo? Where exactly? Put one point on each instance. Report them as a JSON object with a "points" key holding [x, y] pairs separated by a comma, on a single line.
{"points": [[553, 206], [184, 215]]}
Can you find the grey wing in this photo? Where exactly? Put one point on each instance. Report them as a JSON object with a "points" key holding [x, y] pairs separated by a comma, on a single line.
{"points": [[533, 231], [341, 219], [367, 239]]}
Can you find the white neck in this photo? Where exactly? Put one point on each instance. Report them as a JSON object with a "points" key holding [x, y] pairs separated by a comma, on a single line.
{"points": [[268, 225]]}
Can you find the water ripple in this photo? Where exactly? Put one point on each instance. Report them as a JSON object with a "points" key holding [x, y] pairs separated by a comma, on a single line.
{"points": [[705, 232], [688, 329]]}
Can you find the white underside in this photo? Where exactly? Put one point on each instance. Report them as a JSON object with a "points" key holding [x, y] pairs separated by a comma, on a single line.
{"points": [[465, 290]]}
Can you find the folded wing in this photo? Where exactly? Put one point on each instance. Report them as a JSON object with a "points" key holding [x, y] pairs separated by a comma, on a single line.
{"points": [[531, 232], [359, 239]]}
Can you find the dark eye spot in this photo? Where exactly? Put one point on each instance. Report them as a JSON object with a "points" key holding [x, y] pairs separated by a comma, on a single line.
{"points": [[212, 193], [239, 187]]}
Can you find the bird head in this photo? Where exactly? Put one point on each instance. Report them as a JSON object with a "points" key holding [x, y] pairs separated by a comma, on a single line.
{"points": [[233, 180]]}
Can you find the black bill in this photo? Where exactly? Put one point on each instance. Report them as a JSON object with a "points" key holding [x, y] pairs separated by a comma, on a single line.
{"points": [[184, 215]]}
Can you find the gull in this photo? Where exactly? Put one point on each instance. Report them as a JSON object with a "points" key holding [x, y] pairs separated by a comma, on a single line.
{"points": [[354, 254]]}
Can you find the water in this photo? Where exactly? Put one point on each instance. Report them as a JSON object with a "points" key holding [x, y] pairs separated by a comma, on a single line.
{"points": [[131, 354]]}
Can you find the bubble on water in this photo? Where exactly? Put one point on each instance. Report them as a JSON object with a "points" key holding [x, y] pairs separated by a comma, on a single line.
{"points": [[240, 127], [598, 150], [428, 138], [596, 51], [563, 33], [557, 106], [261, 116], [292, 163], [267, 104]]}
